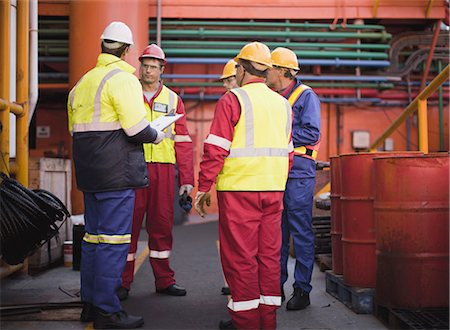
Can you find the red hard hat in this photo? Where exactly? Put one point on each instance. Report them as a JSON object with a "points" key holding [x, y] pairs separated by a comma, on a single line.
{"points": [[153, 51]]}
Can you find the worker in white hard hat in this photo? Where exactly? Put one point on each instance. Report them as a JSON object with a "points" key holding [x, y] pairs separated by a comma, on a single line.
{"points": [[228, 77], [106, 118], [247, 154], [155, 202]]}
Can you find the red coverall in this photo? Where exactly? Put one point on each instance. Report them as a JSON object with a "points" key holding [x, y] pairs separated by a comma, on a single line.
{"points": [[157, 201], [249, 230]]}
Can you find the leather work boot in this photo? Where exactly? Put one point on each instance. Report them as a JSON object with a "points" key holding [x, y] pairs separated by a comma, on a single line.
{"points": [[283, 297], [118, 320], [226, 325], [299, 300], [173, 290], [122, 293], [87, 313]]}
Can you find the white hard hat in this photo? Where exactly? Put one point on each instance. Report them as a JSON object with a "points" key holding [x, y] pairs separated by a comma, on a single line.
{"points": [[118, 31]]}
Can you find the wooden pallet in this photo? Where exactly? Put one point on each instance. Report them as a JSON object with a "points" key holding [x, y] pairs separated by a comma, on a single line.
{"points": [[395, 318], [359, 300]]}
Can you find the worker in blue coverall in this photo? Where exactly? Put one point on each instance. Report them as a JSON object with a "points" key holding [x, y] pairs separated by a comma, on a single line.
{"points": [[298, 197], [106, 118]]}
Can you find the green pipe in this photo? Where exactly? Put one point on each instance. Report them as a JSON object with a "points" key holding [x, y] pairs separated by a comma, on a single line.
{"points": [[441, 112], [301, 54], [312, 84], [267, 24], [201, 32], [292, 45]]}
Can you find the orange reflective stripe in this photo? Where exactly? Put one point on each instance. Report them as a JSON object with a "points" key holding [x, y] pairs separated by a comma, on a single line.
{"points": [[296, 94]]}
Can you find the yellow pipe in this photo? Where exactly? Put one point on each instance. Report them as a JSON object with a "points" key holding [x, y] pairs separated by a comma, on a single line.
{"points": [[5, 21], [22, 86], [429, 90], [428, 10], [375, 8], [423, 126], [15, 108]]}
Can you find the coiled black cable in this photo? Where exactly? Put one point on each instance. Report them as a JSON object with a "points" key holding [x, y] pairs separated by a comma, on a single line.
{"points": [[28, 219]]}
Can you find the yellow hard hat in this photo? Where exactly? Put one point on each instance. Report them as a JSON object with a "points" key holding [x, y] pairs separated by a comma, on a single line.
{"points": [[229, 70], [256, 52], [284, 58]]}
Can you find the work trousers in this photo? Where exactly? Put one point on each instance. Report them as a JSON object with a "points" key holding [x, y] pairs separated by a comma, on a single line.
{"points": [[105, 246], [250, 240], [157, 202], [297, 223]]}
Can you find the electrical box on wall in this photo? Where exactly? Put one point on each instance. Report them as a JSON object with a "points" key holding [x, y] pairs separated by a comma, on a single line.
{"points": [[360, 140]]}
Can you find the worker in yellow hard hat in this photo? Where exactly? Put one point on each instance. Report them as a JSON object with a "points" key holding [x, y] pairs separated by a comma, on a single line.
{"points": [[106, 117], [247, 153], [228, 77], [298, 200]]}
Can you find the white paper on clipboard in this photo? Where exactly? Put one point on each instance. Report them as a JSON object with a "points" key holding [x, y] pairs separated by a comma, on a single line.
{"points": [[163, 122]]}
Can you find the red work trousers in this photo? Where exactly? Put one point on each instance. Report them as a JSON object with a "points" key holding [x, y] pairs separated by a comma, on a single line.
{"points": [[250, 242], [157, 201]]}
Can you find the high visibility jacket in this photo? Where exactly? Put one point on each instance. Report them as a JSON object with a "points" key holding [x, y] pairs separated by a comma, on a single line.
{"points": [[258, 158], [164, 103], [305, 128], [105, 107], [307, 151]]}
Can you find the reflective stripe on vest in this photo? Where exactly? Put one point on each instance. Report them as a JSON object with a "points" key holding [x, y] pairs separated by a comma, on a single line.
{"points": [[163, 152], [96, 125], [108, 239], [258, 157], [303, 151]]}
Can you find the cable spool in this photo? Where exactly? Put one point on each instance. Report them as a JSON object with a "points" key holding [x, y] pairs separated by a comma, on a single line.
{"points": [[28, 219]]}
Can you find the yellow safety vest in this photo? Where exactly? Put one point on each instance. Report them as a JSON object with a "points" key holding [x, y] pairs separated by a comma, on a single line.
{"points": [[164, 152], [304, 151], [93, 107], [258, 158]]}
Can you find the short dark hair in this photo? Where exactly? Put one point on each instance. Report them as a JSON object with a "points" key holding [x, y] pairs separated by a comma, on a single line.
{"points": [[116, 52], [251, 69]]}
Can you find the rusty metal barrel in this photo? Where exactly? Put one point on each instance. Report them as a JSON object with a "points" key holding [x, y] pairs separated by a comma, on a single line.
{"points": [[358, 227], [336, 218], [412, 222]]}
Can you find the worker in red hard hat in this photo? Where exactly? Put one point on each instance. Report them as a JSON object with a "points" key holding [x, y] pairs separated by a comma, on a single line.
{"points": [[247, 154], [157, 199], [107, 120]]}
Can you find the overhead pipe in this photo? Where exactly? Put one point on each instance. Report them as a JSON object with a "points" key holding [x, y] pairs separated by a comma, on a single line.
{"points": [[201, 60], [202, 33], [286, 24], [430, 54], [292, 45], [302, 77], [33, 51], [299, 53]]}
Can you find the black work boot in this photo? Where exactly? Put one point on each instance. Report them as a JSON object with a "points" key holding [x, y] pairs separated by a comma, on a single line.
{"points": [[122, 293], [299, 300], [118, 320], [173, 290], [87, 313], [226, 325], [283, 297]]}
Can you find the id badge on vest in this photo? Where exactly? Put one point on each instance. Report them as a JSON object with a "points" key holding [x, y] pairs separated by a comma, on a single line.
{"points": [[160, 107]]}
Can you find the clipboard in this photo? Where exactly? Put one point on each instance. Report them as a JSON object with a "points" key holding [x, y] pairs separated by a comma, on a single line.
{"points": [[163, 122]]}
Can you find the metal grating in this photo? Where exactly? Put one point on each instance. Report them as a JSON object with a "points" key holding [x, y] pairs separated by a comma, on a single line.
{"points": [[424, 319]]}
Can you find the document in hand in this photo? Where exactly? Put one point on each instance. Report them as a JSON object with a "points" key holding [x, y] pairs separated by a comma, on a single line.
{"points": [[163, 122]]}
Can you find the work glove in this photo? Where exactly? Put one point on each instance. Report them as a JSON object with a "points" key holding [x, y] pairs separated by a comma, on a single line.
{"points": [[186, 188], [200, 199], [161, 135]]}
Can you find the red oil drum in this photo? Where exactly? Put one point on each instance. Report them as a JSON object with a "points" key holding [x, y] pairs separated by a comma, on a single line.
{"points": [[358, 227], [336, 219], [412, 223]]}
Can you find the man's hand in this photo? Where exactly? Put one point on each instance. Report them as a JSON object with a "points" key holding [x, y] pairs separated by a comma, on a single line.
{"points": [[161, 135], [200, 199], [186, 188]]}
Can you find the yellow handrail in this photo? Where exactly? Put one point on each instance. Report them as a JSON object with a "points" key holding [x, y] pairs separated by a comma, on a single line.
{"points": [[420, 102]]}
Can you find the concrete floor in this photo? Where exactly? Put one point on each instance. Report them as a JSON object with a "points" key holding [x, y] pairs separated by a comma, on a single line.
{"points": [[197, 267]]}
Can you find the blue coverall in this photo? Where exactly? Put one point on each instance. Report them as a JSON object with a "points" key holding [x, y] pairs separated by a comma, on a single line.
{"points": [[298, 197]]}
